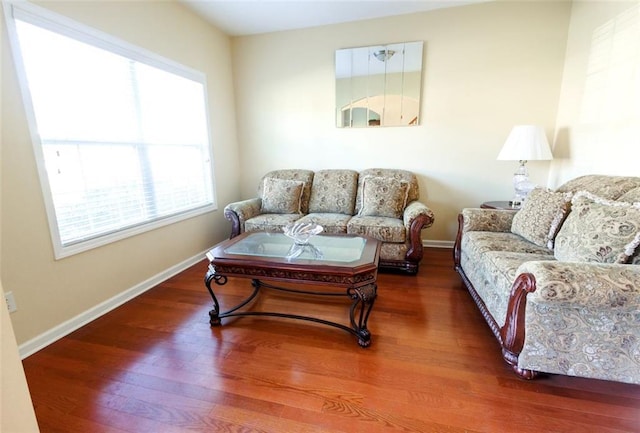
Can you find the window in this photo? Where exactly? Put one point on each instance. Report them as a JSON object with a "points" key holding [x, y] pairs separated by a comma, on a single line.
{"points": [[121, 134]]}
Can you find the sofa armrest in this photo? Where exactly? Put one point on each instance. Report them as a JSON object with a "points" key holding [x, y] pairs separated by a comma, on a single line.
{"points": [[487, 220], [481, 220], [240, 211], [584, 285], [420, 212], [417, 216], [570, 306]]}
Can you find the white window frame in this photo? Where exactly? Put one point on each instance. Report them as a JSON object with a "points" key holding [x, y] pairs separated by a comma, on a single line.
{"points": [[86, 34]]}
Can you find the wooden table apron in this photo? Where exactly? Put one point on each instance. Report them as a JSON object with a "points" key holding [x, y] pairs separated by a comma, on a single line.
{"points": [[359, 280]]}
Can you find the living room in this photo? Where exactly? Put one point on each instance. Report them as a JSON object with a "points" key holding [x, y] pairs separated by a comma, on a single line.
{"points": [[486, 68]]}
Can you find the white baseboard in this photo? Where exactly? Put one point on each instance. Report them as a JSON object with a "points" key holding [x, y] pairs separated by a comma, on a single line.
{"points": [[437, 244], [41, 341]]}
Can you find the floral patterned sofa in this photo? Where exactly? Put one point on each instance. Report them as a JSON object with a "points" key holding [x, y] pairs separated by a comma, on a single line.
{"points": [[380, 203], [558, 281]]}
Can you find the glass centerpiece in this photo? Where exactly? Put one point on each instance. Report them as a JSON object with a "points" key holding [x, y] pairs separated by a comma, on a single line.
{"points": [[301, 233]]}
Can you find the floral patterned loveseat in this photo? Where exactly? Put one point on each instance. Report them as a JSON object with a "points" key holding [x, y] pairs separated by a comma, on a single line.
{"points": [[380, 203], [558, 281]]}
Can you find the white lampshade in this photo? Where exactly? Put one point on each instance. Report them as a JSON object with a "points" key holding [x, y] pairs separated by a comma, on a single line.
{"points": [[526, 143]]}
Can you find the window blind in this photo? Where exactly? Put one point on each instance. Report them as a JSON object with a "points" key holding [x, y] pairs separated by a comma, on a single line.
{"points": [[124, 142]]}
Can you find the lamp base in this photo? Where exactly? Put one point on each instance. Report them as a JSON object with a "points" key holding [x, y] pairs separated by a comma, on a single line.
{"points": [[521, 185]]}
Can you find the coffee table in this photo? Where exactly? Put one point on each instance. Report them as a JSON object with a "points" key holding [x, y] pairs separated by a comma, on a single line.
{"points": [[340, 261]]}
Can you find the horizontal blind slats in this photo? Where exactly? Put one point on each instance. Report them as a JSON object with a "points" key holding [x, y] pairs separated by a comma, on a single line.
{"points": [[124, 143]]}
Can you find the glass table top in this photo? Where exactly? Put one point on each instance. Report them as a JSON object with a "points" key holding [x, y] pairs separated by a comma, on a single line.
{"points": [[321, 248]]}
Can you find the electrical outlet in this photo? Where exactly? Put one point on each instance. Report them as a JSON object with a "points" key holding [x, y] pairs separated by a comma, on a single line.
{"points": [[11, 302]]}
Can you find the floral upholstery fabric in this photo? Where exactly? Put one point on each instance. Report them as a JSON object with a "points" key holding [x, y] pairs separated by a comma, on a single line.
{"points": [[599, 230], [631, 196], [400, 175], [381, 228], [383, 196], [541, 216], [487, 220], [490, 260], [492, 274], [332, 223], [394, 251], [334, 191], [610, 187], [281, 196], [245, 209], [269, 222], [414, 210], [583, 320], [482, 242], [305, 176]]}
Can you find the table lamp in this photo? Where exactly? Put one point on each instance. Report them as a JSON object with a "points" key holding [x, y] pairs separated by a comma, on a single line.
{"points": [[525, 143]]}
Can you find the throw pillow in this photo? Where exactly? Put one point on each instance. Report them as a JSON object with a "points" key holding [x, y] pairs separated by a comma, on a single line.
{"points": [[541, 216], [383, 196], [598, 230], [281, 196]]}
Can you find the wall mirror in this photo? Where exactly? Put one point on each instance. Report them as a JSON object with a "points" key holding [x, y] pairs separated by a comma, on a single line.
{"points": [[379, 85]]}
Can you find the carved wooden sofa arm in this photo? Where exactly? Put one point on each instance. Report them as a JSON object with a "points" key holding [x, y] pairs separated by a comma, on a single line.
{"points": [[241, 211], [574, 315], [417, 216]]}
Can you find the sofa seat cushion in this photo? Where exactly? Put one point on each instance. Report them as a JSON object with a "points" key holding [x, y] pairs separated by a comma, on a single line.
{"points": [[332, 223], [269, 222], [492, 274], [382, 228], [477, 243], [334, 191]]}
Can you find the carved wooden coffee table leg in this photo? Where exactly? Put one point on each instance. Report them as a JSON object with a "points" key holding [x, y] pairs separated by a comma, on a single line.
{"points": [[214, 318], [363, 299]]}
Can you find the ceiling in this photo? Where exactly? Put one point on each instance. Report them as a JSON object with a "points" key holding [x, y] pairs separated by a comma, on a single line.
{"points": [[249, 17]]}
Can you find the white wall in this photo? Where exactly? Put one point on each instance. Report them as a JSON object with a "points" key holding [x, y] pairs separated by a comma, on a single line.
{"points": [[486, 68], [598, 125], [49, 292]]}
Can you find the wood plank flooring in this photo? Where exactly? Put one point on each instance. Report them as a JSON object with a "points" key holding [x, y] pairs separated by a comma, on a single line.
{"points": [[155, 365]]}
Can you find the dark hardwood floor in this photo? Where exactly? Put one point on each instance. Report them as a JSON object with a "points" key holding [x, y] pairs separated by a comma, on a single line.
{"points": [[155, 365]]}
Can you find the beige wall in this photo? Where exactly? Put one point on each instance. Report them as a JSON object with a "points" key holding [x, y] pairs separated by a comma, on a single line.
{"points": [[50, 292], [16, 409], [598, 125], [486, 68]]}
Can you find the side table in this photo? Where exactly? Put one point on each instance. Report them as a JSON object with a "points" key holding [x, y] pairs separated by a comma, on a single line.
{"points": [[504, 205]]}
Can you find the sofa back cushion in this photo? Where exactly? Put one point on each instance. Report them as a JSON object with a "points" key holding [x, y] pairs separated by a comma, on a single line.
{"points": [[413, 192], [598, 230], [609, 187], [334, 191], [541, 216], [305, 176]]}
